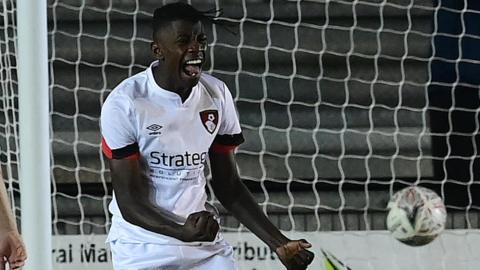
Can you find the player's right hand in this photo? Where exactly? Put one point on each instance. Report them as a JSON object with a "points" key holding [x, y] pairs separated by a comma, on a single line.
{"points": [[200, 226], [12, 251], [294, 254]]}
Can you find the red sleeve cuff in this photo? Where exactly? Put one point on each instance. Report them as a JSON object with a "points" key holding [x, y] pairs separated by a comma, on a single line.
{"points": [[127, 152]]}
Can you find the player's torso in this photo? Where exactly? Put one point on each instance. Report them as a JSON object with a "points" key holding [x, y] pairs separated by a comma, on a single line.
{"points": [[173, 139]]}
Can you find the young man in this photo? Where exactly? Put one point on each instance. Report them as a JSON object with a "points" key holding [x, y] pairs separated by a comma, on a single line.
{"points": [[159, 127], [12, 249]]}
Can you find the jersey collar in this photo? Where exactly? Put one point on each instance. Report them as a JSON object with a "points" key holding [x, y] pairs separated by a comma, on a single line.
{"points": [[165, 93]]}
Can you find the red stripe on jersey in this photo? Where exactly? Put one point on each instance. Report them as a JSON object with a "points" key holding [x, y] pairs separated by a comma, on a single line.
{"points": [[106, 149], [120, 153], [222, 148]]}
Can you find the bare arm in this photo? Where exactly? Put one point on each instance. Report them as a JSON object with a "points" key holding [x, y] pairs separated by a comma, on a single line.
{"points": [[236, 198], [12, 249], [133, 194], [7, 220]]}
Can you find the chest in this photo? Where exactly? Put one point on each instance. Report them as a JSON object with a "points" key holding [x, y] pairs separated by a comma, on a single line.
{"points": [[171, 128]]}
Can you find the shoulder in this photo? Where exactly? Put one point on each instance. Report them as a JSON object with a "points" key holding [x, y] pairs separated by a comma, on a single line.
{"points": [[215, 87], [128, 90], [211, 79], [124, 94], [132, 87]]}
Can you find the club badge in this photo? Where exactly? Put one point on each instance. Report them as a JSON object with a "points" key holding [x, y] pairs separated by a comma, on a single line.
{"points": [[209, 120]]}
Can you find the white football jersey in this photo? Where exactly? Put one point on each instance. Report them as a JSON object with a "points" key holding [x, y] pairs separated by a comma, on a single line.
{"points": [[171, 139]]}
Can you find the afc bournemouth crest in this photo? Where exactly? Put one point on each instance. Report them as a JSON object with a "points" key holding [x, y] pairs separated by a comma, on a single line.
{"points": [[209, 120]]}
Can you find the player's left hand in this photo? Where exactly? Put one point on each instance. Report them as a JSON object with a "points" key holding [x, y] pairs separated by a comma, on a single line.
{"points": [[294, 255], [12, 250]]}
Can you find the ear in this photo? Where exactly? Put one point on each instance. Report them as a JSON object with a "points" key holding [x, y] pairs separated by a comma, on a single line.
{"points": [[157, 50]]}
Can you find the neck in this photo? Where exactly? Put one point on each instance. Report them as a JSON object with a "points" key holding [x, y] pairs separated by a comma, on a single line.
{"points": [[167, 83]]}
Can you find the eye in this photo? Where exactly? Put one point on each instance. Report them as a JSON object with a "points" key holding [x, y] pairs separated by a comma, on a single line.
{"points": [[202, 38], [183, 40]]}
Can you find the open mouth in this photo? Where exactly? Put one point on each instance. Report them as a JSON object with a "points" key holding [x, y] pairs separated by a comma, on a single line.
{"points": [[193, 67]]}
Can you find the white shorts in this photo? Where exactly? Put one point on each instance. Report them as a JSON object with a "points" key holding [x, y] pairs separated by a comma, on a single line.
{"points": [[143, 256]]}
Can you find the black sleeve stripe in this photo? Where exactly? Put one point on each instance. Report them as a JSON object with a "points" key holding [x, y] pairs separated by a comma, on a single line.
{"points": [[235, 139], [126, 151]]}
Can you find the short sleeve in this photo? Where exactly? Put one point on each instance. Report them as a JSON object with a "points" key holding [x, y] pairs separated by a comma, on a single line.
{"points": [[117, 127], [229, 134]]}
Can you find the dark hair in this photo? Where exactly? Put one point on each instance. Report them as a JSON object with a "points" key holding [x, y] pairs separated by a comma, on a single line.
{"points": [[181, 11]]}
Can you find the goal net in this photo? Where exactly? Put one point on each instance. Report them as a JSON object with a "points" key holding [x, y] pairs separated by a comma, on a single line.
{"points": [[341, 104], [8, 104]]}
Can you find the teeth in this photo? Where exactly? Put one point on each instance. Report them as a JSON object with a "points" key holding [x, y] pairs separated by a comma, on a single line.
{"points": [[194, 62]]}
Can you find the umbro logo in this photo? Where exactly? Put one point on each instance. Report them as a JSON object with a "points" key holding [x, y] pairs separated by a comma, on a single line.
{"points": [[154, 129]]}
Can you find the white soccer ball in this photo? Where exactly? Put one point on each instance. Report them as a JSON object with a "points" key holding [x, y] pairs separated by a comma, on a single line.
{"points": [[416, 216]]}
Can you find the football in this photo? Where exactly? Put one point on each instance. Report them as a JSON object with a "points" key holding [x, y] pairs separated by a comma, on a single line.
{"points": [[416, 215]]}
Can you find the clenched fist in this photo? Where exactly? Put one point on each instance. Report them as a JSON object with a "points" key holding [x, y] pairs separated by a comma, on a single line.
{"points": [[294, 255], [200, 226], [12, 250]]}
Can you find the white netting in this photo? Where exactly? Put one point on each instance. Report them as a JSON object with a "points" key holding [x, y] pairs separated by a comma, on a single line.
{"points": [[334, 99], [9, 100]]}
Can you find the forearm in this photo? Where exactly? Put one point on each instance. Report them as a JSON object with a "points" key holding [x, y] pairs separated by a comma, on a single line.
{"points": [[237, 199], [133, 190], [243, 206], [149, 217], [7, 220]]}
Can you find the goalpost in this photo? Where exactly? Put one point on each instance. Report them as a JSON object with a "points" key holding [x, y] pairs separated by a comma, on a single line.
{"points": [[341, 104]]}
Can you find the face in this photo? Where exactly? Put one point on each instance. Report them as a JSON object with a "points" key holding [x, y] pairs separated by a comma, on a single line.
{"points": [[181, 47]]}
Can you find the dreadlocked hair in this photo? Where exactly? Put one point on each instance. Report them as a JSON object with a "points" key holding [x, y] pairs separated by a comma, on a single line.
{"points": [[182, 11]]}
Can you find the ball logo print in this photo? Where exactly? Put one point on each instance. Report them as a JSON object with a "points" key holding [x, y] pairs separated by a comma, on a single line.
{"points": [[209, 120]]}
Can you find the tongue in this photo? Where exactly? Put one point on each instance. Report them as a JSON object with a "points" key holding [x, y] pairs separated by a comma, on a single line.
{"points": [[192, 70]]}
